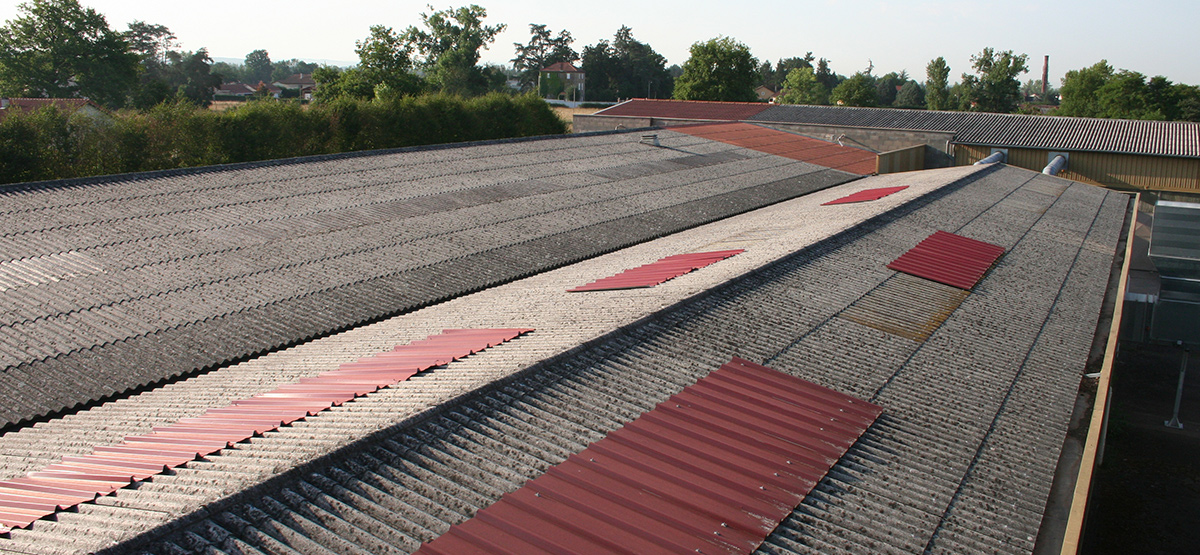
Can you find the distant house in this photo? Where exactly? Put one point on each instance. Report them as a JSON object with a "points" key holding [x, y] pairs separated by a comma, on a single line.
{"points": [[561, 81], [302, 82], [766, 94], [234, 89], [72, 105]]}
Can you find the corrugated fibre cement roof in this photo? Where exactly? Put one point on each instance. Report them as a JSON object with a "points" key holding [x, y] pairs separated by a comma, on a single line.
{"points": [[564, 322], [106, 287], [961, 461]]}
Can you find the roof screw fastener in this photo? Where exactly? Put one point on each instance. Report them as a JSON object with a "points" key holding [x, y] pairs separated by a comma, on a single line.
{"points": [[762, 488], [789, 462], [724, 525], [591, 460], [537, 494]]}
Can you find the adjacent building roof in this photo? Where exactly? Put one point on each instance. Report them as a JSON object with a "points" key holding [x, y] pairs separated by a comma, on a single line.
{"points": [[686, 109], [113, 286], [1159, 138]]}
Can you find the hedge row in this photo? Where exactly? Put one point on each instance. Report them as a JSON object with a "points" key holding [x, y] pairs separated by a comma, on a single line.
{"points": [[51, 144]]}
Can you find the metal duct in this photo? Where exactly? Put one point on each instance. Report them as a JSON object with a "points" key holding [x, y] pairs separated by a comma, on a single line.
{"points": [[1056, 165], [993, 158]]}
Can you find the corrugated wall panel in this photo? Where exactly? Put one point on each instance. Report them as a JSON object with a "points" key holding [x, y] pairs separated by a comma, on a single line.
{"points": [[1122, 171]]}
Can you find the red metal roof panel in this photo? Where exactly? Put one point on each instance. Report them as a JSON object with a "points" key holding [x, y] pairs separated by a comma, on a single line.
{"points": [[713, 469], [950, 259], [686, 109], [867, 195], [788, 145], [112, 467], [654, 273]]}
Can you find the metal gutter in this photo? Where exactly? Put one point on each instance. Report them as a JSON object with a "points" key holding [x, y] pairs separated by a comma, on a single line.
{"points": [[1073, 536]]}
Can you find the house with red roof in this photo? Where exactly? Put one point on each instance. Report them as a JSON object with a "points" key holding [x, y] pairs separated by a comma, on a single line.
{"points": [[561, 81]]}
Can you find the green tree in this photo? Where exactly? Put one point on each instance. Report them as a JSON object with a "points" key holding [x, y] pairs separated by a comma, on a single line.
{"points": [[449, 48], [334, 83], [1124, 97], [937, 92], [59, 49], [826, 75], [719, 69], [257, 67], [858, 90], [543, 50], [802, 87], [189, 75], [384, 60], [996, 89], [911, 95], [1080, 90], [624, 68], [887, 86]]}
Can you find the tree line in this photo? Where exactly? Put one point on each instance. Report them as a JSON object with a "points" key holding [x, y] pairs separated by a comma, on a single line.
{"points": [[57, 48]]}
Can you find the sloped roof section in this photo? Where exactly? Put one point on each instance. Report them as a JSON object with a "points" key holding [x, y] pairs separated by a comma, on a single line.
{"points": [[189, 272], [109, 468], [1160, 138], [713, 469], [686, 109], [788, 145]]}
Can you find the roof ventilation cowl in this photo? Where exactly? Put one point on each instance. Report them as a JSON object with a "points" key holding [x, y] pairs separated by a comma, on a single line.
{"points": [[650, 139]]}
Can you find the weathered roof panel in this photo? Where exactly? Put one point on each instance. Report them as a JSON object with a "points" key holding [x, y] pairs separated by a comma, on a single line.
{"points": [[106, 287]]}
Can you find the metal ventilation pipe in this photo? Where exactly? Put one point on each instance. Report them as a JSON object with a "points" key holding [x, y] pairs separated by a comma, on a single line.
{"points": [[1056, 165], [993, 158]]}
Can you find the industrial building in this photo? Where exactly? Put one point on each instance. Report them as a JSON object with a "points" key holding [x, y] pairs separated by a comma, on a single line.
{"points": [[376, 352]]}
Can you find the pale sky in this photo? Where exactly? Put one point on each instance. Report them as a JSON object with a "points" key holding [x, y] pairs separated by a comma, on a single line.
{"points": [[1155, 37]]}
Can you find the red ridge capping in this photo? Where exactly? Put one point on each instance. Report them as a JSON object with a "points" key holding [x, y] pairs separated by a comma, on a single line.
{"points": [[947, 258], [654, 273], [867, 195], [78, 479], [713, 469]]}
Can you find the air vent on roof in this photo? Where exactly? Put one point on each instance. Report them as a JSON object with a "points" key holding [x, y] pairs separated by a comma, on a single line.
{"points": [[651, 139], [654, 273], [867, 195], [80, 479], [950, 259], [713, 469]]}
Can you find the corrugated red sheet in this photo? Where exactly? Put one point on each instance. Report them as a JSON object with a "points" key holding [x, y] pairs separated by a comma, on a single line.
{"points": [[788, 145], [867, 195], [686, 109], [950, 259], [654, 273], [714, 469], [112, 467]]}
